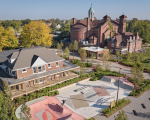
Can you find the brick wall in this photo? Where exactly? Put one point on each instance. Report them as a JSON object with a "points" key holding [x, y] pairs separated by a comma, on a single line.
{"points": [[28, 73]]}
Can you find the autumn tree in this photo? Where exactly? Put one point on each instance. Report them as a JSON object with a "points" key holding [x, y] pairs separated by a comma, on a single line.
{"points": [[137, 71], [121, 116], [7, 89], [36, 33], [25, 113], [7, 39]]}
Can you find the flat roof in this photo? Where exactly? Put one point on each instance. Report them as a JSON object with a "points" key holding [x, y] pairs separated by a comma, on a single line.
{"points": [[94, 49]]}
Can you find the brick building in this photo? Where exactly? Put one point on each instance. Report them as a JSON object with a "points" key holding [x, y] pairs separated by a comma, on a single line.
{"points": [[92, 32], [126, 42], [30, 69]]}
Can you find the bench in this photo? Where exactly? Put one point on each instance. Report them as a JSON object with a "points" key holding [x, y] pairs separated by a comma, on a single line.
{"points": [[143, 106], [80, 88], [135, 113]]}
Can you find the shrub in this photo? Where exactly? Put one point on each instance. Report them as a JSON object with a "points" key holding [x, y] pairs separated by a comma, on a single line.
{"points": [[56, 92], [27, 98]]}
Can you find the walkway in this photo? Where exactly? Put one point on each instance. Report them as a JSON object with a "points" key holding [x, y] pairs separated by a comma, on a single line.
{"points": [[143, 114]]}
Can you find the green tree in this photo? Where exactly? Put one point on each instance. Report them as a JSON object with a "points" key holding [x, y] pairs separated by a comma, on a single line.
{"points": [[16, 25], [137, 71], [6, 23], [25, 113], [7, 89], [105, 59], [5, 107], [61, 45], [121, 116], [53, 27], [36, 33], [58, 47], [92, 57], [66, 51], [83, 56], [74, 46], [26, 21], [117, 54], [98, 67]]}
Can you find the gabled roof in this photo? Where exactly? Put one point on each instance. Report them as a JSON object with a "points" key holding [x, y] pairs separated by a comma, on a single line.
{"points": [[123, 16], [26, 57], [106, 17]]}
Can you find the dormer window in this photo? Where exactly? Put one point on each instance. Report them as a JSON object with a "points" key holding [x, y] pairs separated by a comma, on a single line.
{"points": [[49, 65], [39, 69], [24, 70], [13, 73]]}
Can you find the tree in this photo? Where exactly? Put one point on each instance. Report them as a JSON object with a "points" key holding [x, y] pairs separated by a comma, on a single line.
{"points": [[117, 54], [6, 23], [7, 89], [83, 56], [16, 25], [66, 51], [26, 21], [26, 113], [98, 67], [5, 107], [58, 47], [36, 33], [128, 58], [7, 39], [61, 45], [53, 27], [74, 46], [137, 71], [92, 57], [121, 116], [106, 57]]}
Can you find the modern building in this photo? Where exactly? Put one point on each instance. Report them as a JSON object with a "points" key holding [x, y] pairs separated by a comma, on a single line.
{"points": [[92, 32], [30, 69], [126, 42]]}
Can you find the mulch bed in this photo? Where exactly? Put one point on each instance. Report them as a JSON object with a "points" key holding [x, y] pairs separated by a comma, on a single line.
{"points": [[117, 110]]}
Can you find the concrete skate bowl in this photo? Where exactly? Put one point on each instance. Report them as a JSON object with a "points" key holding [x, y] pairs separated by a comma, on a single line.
{"points": [[51, 109], [124, 83]]}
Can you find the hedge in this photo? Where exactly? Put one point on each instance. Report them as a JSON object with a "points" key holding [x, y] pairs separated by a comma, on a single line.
{"points": [[101, 72], [144, 85], [108, 111], [81, 64]]}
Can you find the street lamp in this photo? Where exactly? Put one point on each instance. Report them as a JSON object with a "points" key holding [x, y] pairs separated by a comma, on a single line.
{"points": [[118, 85]]}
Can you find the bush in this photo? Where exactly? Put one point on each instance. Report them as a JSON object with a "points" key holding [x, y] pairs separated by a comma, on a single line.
{"points": [[56, 92]]}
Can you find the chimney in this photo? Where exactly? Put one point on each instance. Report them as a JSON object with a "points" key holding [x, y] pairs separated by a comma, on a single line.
{"points": [[88, 22], [137, 36], [74, 21]]}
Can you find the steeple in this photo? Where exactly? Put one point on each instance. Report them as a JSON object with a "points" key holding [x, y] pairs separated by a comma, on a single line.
{"points": [[91, 13]]}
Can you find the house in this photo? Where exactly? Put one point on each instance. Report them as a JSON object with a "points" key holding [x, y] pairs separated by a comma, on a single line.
{"points": [[126, 42], [58, 26], [30, 69]]}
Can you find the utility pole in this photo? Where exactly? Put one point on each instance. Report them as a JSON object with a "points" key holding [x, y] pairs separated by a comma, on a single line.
{"points": [[118, 85]]}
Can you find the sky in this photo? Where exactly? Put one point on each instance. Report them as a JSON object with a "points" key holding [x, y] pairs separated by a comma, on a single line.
{"points": [[68, 9]]}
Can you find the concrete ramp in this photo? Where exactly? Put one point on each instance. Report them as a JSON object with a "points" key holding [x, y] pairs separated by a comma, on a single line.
{"points": [[106, 79], [124, 83]]}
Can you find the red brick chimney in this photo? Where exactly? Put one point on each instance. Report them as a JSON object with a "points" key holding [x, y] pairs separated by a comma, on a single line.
{"points": [[88, 22], [74, 21]]}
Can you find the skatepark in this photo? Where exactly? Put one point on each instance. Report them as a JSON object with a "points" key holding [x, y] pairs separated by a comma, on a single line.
{"points": [[80, 100]]}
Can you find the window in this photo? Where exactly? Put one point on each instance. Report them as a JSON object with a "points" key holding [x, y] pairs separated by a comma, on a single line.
{"points": [[112, 44], [130, 50], [130, 44], [57, 64], [14, 73], [137, 42], [34, 70], [58, 75], [49, 65], [40, 69], [112, 50], [41, 80], [24, 70], [43, 67]]}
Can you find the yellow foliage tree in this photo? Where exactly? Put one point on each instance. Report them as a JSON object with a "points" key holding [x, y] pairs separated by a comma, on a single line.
{"points": [[36, 33], [7, 38]]}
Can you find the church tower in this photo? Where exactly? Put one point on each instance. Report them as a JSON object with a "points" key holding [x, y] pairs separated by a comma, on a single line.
{"points": [[91, 13]]}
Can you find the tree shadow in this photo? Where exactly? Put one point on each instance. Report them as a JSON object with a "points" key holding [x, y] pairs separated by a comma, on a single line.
{"points": [[56, 107], [142, 115]]}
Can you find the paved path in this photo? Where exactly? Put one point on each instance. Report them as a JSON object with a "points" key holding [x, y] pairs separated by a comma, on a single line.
{"points": [[143, 114], [114, 66]]}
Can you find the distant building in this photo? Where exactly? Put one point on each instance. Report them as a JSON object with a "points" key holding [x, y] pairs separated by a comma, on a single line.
{"points": [[49, 24], [58, 26], [92, 32]]}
